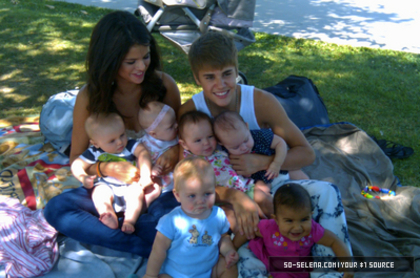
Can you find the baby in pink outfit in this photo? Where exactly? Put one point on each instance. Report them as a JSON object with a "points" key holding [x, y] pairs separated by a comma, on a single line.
{"points": [[291, 232]]}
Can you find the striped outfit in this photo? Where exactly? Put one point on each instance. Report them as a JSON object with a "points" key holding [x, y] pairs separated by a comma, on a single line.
{"points": [[28, 245]]}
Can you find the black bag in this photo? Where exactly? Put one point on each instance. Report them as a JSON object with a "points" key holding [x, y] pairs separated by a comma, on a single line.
{"points": [[300, 98]]}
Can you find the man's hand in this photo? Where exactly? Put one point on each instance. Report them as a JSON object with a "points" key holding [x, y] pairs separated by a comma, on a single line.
{"points": [[248, 164], [247, 214]]}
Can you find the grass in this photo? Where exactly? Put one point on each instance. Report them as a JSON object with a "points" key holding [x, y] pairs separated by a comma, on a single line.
{"points": [[44, 44]]}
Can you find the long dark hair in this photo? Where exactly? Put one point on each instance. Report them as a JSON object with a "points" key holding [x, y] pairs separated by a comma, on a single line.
{"points": [[111, 39]]}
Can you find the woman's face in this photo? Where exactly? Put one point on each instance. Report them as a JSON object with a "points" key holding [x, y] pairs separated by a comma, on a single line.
{"points": [[219, 85], [135, 64]]}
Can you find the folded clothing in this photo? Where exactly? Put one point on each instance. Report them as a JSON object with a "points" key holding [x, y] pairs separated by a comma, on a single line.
{"points": [[28, 245]]}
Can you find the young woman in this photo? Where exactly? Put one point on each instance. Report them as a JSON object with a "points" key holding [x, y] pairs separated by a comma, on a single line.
{"points": [[123, 68]]}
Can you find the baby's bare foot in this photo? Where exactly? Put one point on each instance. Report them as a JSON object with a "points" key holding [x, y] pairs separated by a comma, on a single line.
{"points": [[127, 228], [152, 193], [109, 219]]}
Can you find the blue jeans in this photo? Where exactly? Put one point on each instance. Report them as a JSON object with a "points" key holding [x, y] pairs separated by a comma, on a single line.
{"points": [[74, 215]]}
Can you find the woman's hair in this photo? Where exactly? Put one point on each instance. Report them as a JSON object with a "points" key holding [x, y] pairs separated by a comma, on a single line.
{"points": [[293, 196], [111, 40], [213, 49], [192, 117]]}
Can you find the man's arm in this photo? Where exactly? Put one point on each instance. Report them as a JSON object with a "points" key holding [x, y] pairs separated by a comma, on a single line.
{"points": [[270, 114]]}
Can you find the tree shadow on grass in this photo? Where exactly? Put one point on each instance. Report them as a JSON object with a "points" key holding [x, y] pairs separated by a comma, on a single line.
{"points": [[338, 21], [43, 51]]}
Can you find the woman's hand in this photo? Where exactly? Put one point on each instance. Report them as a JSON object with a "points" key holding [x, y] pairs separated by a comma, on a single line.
{"points": [[248, 164], [121, 170], [168, 160]]}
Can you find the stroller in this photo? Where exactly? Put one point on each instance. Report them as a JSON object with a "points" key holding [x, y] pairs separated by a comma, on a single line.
{"points": [[183, 21]]}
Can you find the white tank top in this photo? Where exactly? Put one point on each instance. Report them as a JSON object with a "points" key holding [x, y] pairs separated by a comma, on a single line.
{"points": [[246, 110]]}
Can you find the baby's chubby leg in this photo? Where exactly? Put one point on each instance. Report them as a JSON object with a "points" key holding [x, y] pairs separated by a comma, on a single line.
{"points": [[102, 198], [134, 199], [221, 271], [263, 198]]}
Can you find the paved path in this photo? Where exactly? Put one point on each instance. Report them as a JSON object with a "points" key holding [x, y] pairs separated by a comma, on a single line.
{"points": [[386, 24]]}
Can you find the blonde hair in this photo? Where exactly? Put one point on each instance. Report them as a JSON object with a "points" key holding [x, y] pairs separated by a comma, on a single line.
{"points": [[192, 167], [97, 121]]}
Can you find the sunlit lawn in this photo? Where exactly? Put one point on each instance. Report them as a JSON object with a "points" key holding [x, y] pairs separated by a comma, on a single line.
{"points": [[44, 44]]}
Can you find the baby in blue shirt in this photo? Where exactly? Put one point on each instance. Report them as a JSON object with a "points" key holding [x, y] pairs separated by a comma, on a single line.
{"points": [[192, 239]]}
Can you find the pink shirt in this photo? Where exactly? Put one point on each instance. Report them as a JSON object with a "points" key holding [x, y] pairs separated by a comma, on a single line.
{"points": [[274, 244]]}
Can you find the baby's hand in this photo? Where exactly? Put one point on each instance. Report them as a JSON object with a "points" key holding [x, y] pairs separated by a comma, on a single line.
{"points": [[273, 171], [88, 181], [156, 170], [231, 258]]}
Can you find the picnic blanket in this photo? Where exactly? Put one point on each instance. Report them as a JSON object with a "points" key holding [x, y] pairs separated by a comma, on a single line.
{"points": [[34, 172], [30, 170]]}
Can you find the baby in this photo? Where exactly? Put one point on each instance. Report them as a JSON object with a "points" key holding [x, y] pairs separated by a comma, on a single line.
{"points": [[159, 122], [233, 133], [197, 138], [190, 237], [110, 196], [291, 231]]}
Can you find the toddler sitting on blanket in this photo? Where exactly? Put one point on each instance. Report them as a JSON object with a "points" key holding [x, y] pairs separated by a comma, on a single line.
{"points": [[109, 143], [197, 138], [192, 240], [159, 122], [233, 134], [291, 232]]}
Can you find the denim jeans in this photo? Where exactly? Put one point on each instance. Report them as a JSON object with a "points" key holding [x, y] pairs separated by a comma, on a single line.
{"points": [[73, 214]]}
